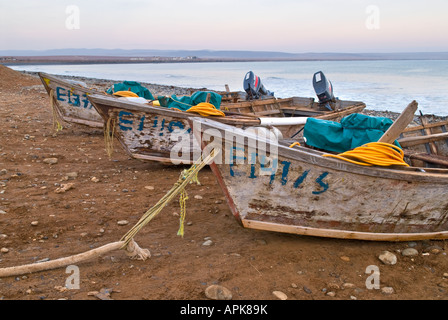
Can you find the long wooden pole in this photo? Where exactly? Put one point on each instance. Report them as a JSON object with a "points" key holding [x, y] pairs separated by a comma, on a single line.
{"points": [[61, 262], [400, 124]]}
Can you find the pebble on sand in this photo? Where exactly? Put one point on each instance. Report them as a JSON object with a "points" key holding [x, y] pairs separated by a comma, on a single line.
{"points": [[72, 175], [207, 243], [409, 252], [217, 292], [280, 295], [387, 257], [64, 187], [387, 290], [50, 160]]}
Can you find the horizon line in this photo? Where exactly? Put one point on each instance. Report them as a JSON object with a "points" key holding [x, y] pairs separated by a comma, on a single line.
{"points": [[225, 50]]}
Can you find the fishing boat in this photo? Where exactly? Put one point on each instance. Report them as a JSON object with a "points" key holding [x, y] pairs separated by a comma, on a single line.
{"points": [[68, 99], [70, 103], [273, 186], [150, 132]]}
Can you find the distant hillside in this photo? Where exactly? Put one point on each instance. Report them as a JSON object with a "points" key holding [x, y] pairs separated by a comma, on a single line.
{"points": [[120, 54], [150, 53]]}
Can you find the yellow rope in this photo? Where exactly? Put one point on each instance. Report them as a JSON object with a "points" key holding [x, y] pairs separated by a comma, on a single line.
{"points": [[373, 154], [186, 177], [295, 144], [127, 242], [125, 94], [206, 109], [183, 212], [109, 132], [56, 117], [184, 197]]}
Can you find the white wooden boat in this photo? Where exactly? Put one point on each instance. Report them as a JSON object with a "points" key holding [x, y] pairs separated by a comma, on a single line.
{"points": [[69, 101], [301, 191], [154, 133]]}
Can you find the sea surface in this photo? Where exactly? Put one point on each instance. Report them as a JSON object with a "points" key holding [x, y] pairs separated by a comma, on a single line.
{"points": [[382, 84]]}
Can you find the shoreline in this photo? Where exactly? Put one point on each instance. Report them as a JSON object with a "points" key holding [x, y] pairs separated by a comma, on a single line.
{"points": [[118, 61], [110, 56], [161, 90]]}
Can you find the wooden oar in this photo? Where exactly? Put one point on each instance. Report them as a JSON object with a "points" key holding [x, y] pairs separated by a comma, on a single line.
{"points": [[400, 124]]}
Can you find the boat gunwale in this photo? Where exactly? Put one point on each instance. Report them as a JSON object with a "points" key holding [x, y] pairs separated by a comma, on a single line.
{"points": [[102, 102], [67, 83], [62, 111]]}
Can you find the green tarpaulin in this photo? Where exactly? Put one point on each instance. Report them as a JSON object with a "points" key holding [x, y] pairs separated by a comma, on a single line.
{"points": [[133, 86], [186, 102], [353, 131]]}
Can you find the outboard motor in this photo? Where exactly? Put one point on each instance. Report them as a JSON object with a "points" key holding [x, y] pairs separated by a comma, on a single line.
{"points": [[324, 89], [254, 88]]}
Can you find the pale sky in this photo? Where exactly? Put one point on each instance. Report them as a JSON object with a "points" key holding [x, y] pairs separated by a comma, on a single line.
{"points": [[294, 26]]}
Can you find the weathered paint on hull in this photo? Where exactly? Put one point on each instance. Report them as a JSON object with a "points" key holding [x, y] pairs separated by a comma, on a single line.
{"points": [[324, 198], [147, 132], [153, 133], [302, 192], [71, 101], [152, 136]]}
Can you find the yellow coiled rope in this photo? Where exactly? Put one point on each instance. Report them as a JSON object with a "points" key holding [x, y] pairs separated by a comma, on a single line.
{"points": [[373, 154], [125, 94], [206, 109], [203, 108]]}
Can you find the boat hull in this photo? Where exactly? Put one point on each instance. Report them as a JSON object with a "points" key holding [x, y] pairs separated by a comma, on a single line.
{"points": [[300, 191], [70, 101], [160, 134]]}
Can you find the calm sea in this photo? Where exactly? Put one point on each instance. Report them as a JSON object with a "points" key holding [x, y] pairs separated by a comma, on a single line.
{"points": [[382, 85]]}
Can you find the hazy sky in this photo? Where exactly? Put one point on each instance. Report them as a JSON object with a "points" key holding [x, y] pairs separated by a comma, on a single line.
{"points": [[266, 25]]}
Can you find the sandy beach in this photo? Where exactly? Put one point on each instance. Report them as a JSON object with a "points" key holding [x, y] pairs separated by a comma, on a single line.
{"points": [[109, 195]]}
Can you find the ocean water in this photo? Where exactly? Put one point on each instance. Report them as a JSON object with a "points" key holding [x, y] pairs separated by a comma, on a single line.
{"points": [[382, 85]]}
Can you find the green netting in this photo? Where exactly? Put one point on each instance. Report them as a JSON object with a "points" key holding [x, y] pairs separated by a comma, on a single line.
{"points": [[186, 102], [133, 86]]}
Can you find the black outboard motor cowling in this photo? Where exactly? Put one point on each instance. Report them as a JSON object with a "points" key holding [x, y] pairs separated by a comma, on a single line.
{"points": [[324, 89], [254, 88]]}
